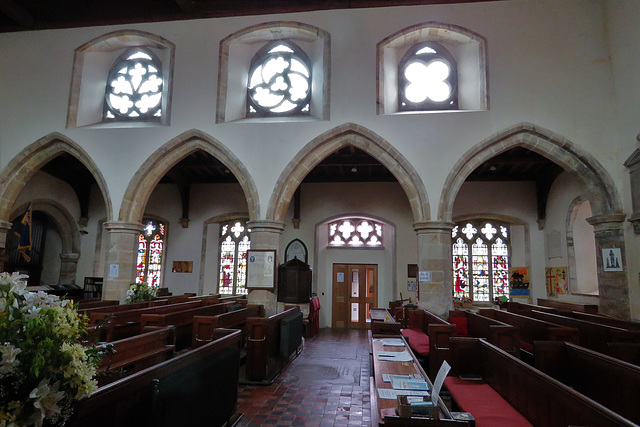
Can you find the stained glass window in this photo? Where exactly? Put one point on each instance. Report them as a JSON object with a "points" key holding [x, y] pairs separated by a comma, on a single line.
{"points": [[234, 244], [355, 232], [427, 79], [134, 87], [480, 260], [279, 81], [151, 247]]}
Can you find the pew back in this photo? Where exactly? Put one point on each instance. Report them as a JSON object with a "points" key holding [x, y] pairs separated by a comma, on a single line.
{"points": [[195, 388], [568, 306], [592, 335], [543, 400], [205, 326], [607, 380]]}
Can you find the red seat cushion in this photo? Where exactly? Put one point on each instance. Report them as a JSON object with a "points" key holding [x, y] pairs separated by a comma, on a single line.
{"points": [[526, 346], [484, 403], [461, 325], [418, 341]]}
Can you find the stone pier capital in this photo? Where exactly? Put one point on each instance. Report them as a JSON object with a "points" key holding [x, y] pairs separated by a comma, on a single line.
{"points": [[433, 226], [607, 221]]}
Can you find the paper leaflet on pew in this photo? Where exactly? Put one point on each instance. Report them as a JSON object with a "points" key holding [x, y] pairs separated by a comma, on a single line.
{"points": [[394, 356], [390, 342]]}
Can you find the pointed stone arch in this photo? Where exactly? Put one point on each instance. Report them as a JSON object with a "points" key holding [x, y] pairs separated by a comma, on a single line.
{"points": [[364, 139], [159, 163], [599, 187], [22, 167], [63, 219]]}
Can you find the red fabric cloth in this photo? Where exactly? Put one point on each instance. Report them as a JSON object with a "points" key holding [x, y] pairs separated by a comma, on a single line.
{"points": [[484, 403], [461, 325], [314, 316], [526, 346], [418, 341]]}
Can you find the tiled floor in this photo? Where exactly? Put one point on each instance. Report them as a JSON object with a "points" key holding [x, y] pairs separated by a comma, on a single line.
{"points": [[326, 385]]}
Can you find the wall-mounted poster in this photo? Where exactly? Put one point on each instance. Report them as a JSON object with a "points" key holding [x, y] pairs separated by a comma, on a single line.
{"points": [[556, 281], [261, 269], [412, 284], [519, 281], [612, 259]]}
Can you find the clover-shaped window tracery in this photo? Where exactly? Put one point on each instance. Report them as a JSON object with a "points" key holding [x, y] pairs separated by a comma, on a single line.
{"points": [[134, 87], [279, 81], [427, 79]]}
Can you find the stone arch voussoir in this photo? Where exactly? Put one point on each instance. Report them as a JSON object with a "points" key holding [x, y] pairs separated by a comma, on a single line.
{"points": [[22, 167], [163, 159], [364, 139], [597, 182]]}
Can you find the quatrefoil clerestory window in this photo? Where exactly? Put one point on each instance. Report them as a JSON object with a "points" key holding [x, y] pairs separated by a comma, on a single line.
{"points": [[427, 79]]}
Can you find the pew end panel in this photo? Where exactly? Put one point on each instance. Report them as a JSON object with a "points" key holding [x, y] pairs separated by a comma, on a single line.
{"points": [[264, 361], [439, 347]]}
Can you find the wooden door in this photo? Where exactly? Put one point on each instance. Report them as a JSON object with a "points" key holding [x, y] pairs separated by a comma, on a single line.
{"points": [[355, 291]]}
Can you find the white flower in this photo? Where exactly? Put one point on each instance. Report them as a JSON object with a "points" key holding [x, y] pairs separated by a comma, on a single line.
{"points": [[8, 361], [47, 398], [130, 292]]}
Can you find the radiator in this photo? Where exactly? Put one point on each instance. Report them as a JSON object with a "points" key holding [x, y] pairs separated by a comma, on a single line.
{"points": [[290, 334]]}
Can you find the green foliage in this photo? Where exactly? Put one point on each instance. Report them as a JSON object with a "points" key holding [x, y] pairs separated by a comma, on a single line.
{"points": [[140, 292], [43, 366]]}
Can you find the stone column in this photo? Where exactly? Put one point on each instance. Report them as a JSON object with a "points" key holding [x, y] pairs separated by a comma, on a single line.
{"points": [[266, 235], [68, 268], [434, 256], [613, 286], [5, 227], [121, 256]]}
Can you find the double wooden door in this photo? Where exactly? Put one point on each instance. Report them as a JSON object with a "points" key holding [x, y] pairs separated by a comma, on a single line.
{"points": [[355, 291]]}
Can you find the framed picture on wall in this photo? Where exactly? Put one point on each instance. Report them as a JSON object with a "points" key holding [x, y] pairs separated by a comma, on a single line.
{"points": [[261, 269]]}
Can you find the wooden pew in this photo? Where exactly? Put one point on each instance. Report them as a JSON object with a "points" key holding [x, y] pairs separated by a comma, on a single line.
{"points": [[205, 326], [500, 334], [183, 320], [383, 323], [627, 351], [526, 309], [541, 399], [426, 329], [133, 354], [196, 388], [607, 380], [264, 360], [123, 324], [606, 320], [532, 330], [95, 303], [592, 335], [568, 306]]}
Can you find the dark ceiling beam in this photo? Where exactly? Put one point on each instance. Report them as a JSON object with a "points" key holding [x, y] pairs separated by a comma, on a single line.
{"points": [[19, 15], [185, 192]]}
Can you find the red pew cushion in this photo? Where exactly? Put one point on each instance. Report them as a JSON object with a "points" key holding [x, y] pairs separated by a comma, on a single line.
{"points": [[484, 403], [418, 341], [461, 325]]}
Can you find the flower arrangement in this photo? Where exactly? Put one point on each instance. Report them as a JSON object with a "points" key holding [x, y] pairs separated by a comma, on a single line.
{"points": [[44, 368], [140, 292]]}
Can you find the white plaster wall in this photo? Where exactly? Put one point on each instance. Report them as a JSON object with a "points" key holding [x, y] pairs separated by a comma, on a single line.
{"points": [[565, 65], [386, 202], [185, 244], [563, 191], [545, 59], [621, 23]]}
